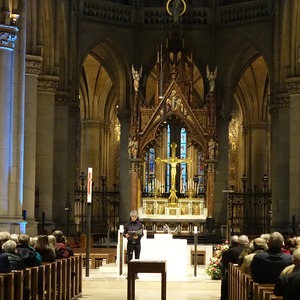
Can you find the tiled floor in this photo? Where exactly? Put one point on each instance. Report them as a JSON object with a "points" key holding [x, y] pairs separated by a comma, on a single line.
{"points": [[106, 284]]}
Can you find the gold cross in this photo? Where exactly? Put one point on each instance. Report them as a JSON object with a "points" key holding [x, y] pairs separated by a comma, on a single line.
{"points": [[173, 161]]}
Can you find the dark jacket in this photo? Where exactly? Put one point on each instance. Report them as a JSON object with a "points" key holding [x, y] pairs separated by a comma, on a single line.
{"points": [[288, 285], [4, 263], [15, 261], [29, 256], [134, 228], [267, 266]]}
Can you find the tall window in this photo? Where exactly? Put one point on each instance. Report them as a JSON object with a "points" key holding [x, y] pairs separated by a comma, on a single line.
{"points": [[183, 167], [150, 171]]}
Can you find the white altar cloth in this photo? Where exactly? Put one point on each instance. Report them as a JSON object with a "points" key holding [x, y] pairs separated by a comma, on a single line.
{"points": [[164, 247]]}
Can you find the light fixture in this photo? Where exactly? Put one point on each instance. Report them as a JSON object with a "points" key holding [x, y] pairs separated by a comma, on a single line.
{"points": [[14, 18]]}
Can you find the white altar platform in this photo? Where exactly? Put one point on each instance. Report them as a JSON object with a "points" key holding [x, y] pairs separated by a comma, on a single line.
{"points": [[176, 252]]}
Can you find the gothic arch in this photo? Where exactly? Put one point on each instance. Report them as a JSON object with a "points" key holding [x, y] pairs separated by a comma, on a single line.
{"points": [[111, 58]]}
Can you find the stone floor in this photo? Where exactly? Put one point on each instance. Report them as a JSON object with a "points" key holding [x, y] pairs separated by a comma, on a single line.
{"points": [[105, 284]]}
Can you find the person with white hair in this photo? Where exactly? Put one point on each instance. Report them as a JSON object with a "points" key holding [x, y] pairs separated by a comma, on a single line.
{"points": [[15, 261], [133, 231]]}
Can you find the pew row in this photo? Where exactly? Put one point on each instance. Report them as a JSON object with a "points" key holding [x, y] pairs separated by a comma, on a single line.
{"points": [[242, 287], [60, 280]]}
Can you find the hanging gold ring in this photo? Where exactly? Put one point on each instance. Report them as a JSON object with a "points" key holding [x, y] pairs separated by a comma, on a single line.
{"points": [[168, 8]]}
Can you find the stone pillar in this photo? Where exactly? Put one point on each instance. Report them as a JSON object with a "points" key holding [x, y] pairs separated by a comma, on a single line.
{"points": [[47, 86], [294, 91], [73, 146], [11, 134], [33, 68], [90, 146], [61, 159], [221, 183], [125, 178], [259, 152], [280, 113]]}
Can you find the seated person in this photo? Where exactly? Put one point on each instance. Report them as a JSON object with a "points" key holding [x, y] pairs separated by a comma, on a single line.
{"points": [[267, 266], [30, 257], [15, 261], [4, 262], [60, 247], [288, 285], [43, 247]]}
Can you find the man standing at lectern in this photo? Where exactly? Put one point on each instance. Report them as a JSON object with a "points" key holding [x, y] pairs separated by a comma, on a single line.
{"points": [[133, 231]]}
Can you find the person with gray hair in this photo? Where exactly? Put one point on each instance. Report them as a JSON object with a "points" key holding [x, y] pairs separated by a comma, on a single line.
{"points": [[288, 285], [267, 266], [133, 231], [259, 245], [231, 256], [4, 262], [15, 261]]}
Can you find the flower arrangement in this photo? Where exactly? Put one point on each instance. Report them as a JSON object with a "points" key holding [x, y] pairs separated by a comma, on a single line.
{"points": [[214, 269]]}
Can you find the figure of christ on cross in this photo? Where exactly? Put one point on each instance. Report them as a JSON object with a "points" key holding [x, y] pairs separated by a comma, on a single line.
{"points": [[173, 161]]}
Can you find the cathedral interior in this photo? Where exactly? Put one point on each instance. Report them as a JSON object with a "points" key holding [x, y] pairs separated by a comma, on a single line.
{"points": [[184, 110]]}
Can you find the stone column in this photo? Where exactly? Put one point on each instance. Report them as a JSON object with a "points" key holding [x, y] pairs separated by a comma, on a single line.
{"points": [[47, 86], [61, 159], [280, 140], [90, 146], [294, 91], [221, 183], [33, 68], [125, 178], [259, 149], [10, 142]]}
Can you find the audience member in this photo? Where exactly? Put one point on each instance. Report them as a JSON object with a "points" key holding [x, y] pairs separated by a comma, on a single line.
{"points": [[259, 245], [15, 237], [60, 247], [267, 266], [15, 261], [266, 237], [30, 257], [4, 262], [231, 256], [288, 285], [52, 243], [289, 245], [234, 241], [43, 247]]}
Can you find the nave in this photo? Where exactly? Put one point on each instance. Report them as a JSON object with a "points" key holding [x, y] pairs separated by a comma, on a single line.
{"points": [[106, 284]]}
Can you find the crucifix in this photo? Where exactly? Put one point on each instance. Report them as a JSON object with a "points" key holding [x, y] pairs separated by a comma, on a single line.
{"points": [[173, 161]]}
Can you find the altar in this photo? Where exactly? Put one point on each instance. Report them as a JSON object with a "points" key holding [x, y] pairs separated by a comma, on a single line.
{"points": [[159, 217], [164, 247]]}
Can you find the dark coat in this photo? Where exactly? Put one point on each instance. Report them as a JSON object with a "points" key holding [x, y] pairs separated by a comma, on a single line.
{"points": [[136, 227], [288, 285], [15, 261], [29, 256], [4, 263], [231, 256], [267, 266]]}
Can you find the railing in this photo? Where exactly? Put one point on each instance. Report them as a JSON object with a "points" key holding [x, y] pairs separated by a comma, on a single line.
{"points": [[108, 11], [242, 287], [61, 279]]}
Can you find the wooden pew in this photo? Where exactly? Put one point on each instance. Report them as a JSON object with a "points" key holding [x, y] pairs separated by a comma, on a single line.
{"points": [[60, 280], [241, 286]]}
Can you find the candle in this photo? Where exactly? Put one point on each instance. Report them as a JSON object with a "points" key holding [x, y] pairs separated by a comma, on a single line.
{"points": [[195, 230]]}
